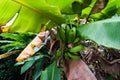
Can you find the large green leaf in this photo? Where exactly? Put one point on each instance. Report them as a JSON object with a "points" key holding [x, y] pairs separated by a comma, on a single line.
{"points": [[66, 6], [51, 72], [39, 12], [27, 21], [53, 10], [48, 11], [105, 32], [118, 6], [8, 9], [118, 3]]}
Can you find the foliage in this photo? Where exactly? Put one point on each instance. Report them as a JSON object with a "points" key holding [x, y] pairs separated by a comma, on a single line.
{"points": [[74, 35], [7, 44], [15, 40], [7, 69], [51, 72], [105, 32]]}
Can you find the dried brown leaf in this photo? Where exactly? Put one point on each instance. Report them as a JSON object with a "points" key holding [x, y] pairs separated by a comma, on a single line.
{"points": [[77, 70], [29, 51], [99, 6]]}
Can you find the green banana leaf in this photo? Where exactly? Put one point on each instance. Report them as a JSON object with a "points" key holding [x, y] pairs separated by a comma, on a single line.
{"points": [[41, 7], [104, 32], [8, 9], [39, 14], [31, 20], [66, 7], [28, 21], [118, 6], [51, 72], [118, 3]]}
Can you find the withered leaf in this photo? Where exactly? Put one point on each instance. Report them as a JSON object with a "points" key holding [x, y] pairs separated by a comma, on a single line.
{"points": [[77, 70], [8, 54], [29, 50], [100, 4]]}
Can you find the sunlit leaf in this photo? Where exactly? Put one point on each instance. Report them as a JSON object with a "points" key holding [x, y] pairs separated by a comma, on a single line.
{"points": [[8, 9], [27, 21], [118, 3], [118, 6], [41, 7], [66, 7]]}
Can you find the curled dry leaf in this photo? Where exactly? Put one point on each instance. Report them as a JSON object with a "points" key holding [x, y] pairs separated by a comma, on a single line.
{"points": [[77, 70], [29, 50]]}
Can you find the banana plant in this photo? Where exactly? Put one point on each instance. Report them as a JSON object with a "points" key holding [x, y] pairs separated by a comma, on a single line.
{"points": [[47, 11], [32, 15], [39, 13]]}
